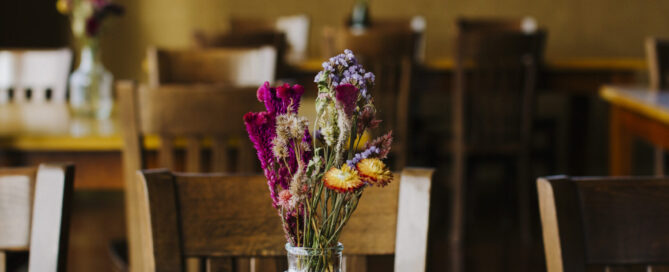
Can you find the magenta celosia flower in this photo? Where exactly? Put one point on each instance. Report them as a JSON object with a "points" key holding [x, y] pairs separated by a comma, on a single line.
{"points": [[261, 128], [277, 100], [347, 95]]}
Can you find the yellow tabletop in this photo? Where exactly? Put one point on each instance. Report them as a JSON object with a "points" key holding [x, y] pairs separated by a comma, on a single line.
{"points": [[652, 104], [50, 127]]}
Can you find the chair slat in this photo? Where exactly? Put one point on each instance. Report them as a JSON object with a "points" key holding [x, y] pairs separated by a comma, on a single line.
{"points": [[193, 154], [246, 158], [267, 264], [356, 263], [215, 264], [166, 151], [219, 155]]}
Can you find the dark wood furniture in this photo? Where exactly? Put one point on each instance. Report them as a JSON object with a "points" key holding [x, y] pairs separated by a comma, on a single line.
{"points": [[605, 224], [34, 214], [494, 88], [635, 113], [388, 54], [657, 56], [196, 117], [208, 216]]}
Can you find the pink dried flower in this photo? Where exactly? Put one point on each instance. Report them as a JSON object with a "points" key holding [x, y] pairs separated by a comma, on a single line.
{"points": [[347, 95], [367, 119], [383, 143], [284, 199]]}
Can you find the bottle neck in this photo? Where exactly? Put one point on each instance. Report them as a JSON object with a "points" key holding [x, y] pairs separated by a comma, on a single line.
{"points": [[360, 15], [90, 55]]}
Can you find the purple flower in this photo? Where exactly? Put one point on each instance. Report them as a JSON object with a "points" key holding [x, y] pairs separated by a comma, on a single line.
{"points": [[347, 95], [102, 9], [345, 69], [371, 152]]}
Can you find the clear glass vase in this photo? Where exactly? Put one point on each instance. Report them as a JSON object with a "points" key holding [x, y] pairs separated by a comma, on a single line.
{"points": [[301, 259], [91, 85]]}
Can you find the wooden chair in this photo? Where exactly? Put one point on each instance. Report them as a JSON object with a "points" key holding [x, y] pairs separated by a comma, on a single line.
{"points": [[388, 54], [295, 29], [604, 223], [207, 216], [334, 40], [196, 116], [234, 66], [35, 214], [34, 75], [657, 56], [495, 81]]}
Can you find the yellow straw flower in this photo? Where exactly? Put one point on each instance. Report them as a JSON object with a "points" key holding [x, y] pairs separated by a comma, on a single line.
{"points": [[374, 171], [63, 6], [342, 180]]}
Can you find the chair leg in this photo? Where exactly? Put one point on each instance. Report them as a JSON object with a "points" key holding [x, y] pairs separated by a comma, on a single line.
{"points": [[456, 239], [2, 262], [659, 161], [524, 221]]}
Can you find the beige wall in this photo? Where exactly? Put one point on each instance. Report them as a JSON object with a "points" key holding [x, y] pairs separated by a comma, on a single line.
{"points": [[577, 28]]}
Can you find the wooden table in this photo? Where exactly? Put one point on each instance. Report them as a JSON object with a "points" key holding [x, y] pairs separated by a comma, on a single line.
{"points": [[32, 133], [635, 113]]}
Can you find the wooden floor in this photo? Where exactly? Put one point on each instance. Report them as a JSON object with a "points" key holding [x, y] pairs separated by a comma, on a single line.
{"points": [[97, 219]]}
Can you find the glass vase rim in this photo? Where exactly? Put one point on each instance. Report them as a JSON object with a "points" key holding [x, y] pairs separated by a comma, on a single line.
{"points": [[306, 250]]}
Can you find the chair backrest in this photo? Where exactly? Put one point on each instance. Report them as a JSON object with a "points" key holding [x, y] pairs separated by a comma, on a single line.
{"points": [[235, 66], [589, 223], [190, 117], [294, 27], [526, 24], [495, 82], [218, 216], [657, 56], [387, 52], [34, 75], [34, 214]]}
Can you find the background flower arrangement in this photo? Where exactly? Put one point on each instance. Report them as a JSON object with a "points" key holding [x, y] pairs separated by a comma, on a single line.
{"points": [[316, 183], [87, 16]]}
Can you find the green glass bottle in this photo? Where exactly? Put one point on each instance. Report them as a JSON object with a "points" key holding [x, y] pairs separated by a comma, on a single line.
{"points": [[360, 14]]}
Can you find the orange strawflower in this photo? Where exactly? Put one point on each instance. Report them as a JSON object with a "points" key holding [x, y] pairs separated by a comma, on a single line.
{"points": [[374, 171], [342, 180]]}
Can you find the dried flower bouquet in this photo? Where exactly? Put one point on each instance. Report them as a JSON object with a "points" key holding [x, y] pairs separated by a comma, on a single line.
{"points": [[316, 183]]}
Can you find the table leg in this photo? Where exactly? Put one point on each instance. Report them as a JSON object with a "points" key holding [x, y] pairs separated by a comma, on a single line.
{"points": [[620, 144], [579, 129]]}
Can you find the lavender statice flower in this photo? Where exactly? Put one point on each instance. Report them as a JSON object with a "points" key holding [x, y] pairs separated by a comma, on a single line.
{"points": [[345, 69], [370, 152]]}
